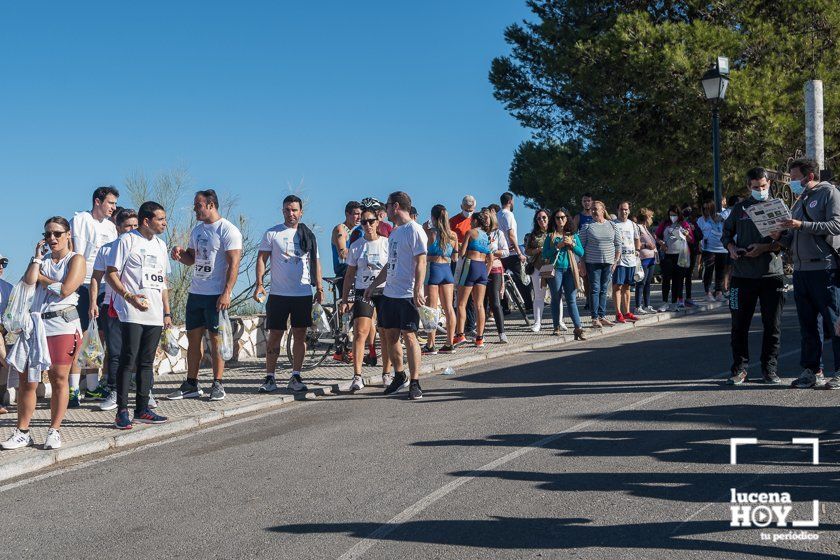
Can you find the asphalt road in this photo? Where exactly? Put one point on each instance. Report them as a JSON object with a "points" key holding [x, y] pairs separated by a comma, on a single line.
{"points": [[613, 448]]}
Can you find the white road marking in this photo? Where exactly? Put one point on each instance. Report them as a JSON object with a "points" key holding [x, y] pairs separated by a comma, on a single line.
{"points": [[360, 548]]}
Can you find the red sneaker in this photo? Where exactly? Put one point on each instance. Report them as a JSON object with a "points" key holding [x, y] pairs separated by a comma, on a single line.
{"points": [[619, 318], [630, 317], [459, 339]]}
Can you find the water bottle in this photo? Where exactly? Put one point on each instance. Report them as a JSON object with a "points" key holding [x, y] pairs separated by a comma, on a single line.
{"points": [[448, 371]]}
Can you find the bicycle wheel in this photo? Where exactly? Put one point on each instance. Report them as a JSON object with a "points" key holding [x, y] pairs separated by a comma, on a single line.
{"points": [[510, 287], [318, 345]]}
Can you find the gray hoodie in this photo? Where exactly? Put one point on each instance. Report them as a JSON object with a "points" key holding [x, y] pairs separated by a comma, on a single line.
{"points": [[820, 227]]}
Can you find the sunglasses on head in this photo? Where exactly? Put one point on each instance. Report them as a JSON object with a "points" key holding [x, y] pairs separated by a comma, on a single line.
{"points": [[56, 234], [369, 221]]}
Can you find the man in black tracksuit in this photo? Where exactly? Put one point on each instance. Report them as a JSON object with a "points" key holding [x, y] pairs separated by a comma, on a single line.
{"points": [[757, 277]]}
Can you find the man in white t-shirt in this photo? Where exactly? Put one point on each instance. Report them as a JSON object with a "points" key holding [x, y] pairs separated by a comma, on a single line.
{"points": [[137, 271], [516, 259], [214, 250], [91, 230], [625, 268], [295, 269], [398, 308]]}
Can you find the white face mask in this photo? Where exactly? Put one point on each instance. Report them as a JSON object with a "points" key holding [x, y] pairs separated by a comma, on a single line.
{"points": [[466, 213], [673, 219], [761, 194]]}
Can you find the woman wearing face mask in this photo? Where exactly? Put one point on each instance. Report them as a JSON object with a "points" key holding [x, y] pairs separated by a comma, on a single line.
{"points": [[533, 250], [674, 235], [439, 281], [56, 272], [714, 253], [648, 256]]}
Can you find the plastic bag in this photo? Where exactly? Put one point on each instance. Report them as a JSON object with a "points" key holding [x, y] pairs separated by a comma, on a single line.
{"points": [[320, 322], [226, 332], [429, 318], [639, 274], [169, 342], [92, 355], [16, 317]]}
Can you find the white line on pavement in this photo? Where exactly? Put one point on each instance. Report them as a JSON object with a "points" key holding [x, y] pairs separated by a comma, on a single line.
{"points": [[360, 548]]}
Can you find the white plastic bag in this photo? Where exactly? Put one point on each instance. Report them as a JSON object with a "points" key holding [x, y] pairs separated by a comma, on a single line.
{"points": [[639, 273], [169, 342], [16, 318], [226, 332], [320, 322], [92, 355], [429, 318]]}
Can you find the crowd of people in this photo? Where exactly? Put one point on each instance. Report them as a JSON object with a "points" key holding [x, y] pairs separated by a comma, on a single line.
{"points": [[109, 266]]}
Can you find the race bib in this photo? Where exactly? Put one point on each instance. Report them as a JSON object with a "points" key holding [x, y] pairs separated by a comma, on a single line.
{"points": [[203, 269], [153, 273]]}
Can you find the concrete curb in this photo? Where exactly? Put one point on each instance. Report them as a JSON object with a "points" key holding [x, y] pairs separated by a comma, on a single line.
{"points": [[16, 466]]}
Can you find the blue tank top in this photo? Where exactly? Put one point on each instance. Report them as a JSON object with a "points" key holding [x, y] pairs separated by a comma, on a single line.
{"points": [[434, 249], [584, 219], [480, 244]]}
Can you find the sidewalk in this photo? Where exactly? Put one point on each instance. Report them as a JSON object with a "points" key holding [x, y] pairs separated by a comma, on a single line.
{"points": [[87, 430]]}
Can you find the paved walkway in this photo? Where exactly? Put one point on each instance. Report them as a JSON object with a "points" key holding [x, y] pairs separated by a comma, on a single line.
{"points": [[88, 430]]}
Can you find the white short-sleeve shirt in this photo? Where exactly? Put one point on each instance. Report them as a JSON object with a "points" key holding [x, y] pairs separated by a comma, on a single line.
{"points": [[211, 243], [142, 265], [369, 257], [289, 265], [629, 233], [89, 235], [405, 242]]}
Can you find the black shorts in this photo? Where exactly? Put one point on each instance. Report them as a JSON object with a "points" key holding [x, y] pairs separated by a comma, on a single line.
{"points": [[278, 309], [397, 313], [201, 313], [83, 306], [362, 308]]}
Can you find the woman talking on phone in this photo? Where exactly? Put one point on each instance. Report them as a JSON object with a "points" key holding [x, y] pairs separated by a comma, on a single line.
{"points": [[560, 247], [56, 272]]}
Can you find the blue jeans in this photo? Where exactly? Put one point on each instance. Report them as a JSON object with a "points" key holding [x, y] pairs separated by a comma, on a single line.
{"points": [[643, 287], [599, 280], [817, 297], [563, 280]]}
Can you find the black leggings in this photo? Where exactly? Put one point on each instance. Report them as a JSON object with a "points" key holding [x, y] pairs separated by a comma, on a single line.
{"points": [[491, 298], [713, 263], [139, 343], [673, 277], [692, 259]]}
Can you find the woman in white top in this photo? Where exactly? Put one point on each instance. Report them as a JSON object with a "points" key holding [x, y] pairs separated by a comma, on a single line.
{"points": [[57, 272], [365, 258], [714, 253]]}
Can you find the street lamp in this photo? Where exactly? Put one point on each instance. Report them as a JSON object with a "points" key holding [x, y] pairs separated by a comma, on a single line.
{"points": [[715, 83]]}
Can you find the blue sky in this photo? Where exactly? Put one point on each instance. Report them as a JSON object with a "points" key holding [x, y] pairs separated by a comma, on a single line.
{"points": [[349, 99]]}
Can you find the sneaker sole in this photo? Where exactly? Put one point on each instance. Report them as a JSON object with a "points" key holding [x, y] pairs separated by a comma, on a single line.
{"points": [[122, 427], [414, 398], [398, 389], [30, 444], [52, 447], [108, 408], [218, 398], [266, 391], [141, 421]]}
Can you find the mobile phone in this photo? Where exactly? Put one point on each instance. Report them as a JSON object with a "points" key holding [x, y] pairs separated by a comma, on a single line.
{"points": [[740, 252], [45, 249]]}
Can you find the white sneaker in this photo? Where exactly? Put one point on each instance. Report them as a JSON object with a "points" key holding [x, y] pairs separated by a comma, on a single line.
{"points": [[710, 297], [269, 385], [535, 327], [664, 307], [650, 309], [53, 440], [640, 311], [720, 297], [296, 384], [680, 306], [387, 378], [357, 383], [110, 402], [17, 440], [562, 326]]}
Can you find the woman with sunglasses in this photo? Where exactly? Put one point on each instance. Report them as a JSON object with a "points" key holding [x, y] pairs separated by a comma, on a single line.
{"points": [[365, 258], [56, 272], [559, 243], [473, 278], [533, 250], [440, 283]]}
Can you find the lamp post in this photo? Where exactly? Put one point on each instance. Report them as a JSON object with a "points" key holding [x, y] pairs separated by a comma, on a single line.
{"points": [[715, 83]]}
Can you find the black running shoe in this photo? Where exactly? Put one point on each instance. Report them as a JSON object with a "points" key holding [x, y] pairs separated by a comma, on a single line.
{"points": [[399, 382], [415, 393], [771, 378]]}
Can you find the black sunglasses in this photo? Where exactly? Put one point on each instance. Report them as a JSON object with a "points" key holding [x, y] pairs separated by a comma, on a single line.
{"points": [[559, 217], [369, 222], [56, 234]]}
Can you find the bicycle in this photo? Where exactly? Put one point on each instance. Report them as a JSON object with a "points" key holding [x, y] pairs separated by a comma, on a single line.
{"points": [[512, 292], [320, 345]]}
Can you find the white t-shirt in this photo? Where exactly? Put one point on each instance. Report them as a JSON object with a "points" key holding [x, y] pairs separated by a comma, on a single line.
{"points": [[210, 243], [369, 257], [46, 301], [5, 292], [507, 222], [101, 264], [289, 265], [629, 233], [405, 242], [88, 236], [142, 265]]}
